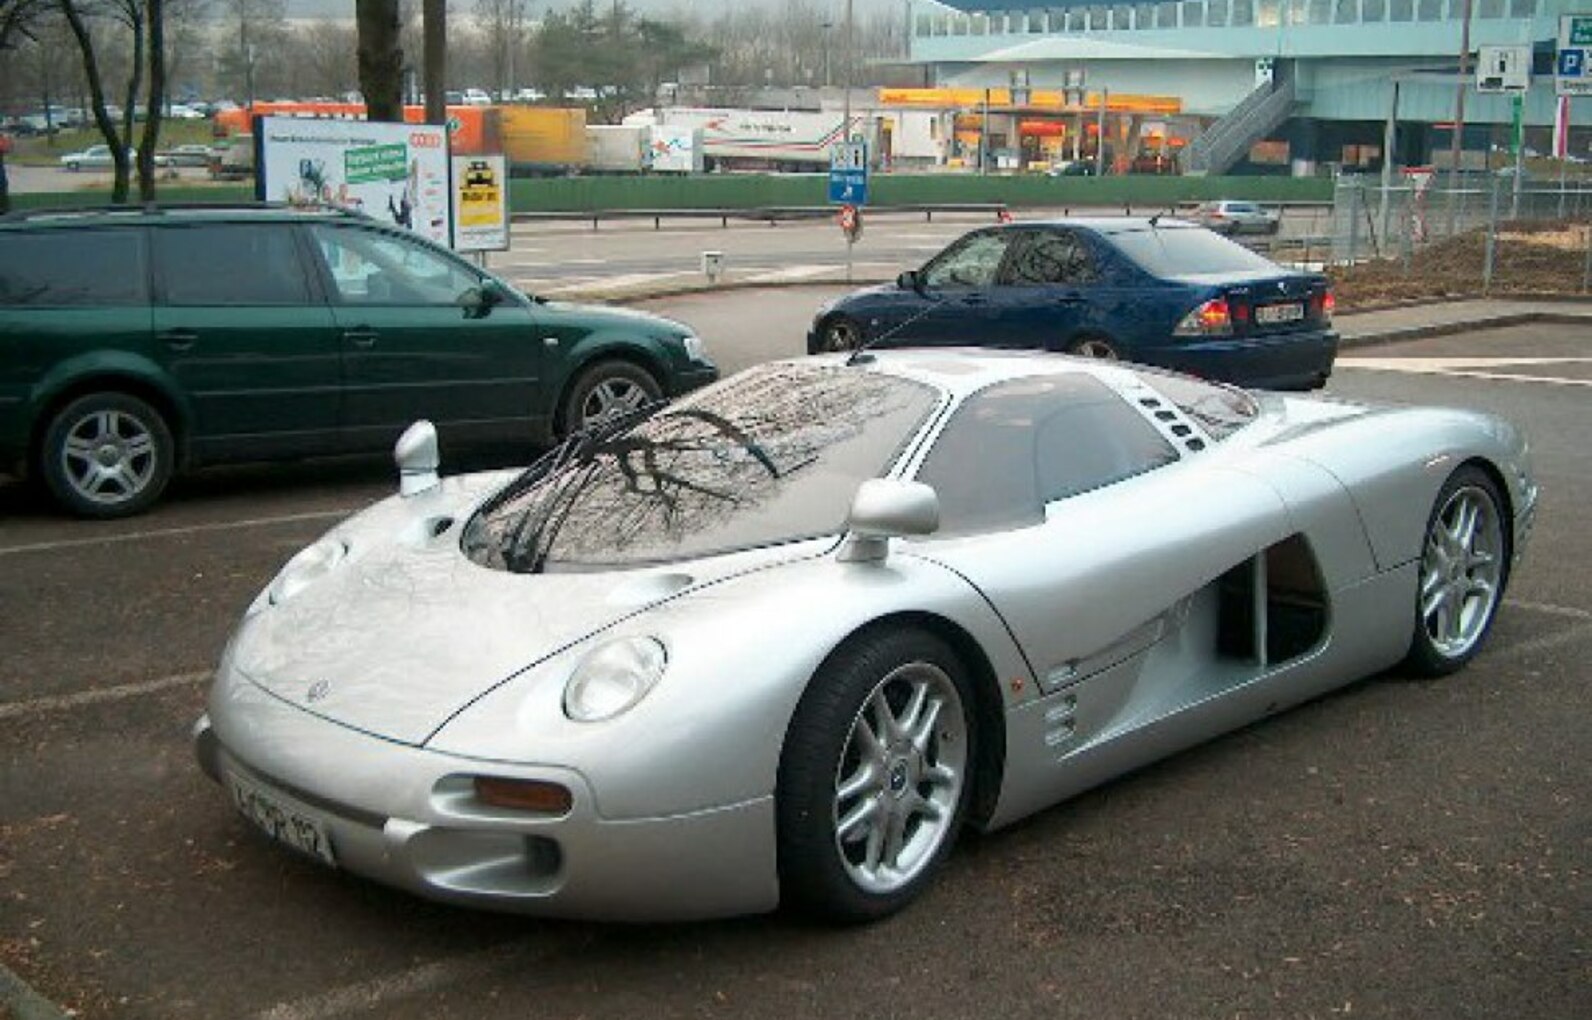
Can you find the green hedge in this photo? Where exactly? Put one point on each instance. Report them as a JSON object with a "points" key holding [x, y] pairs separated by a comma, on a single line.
{"points": [[750, 191], [744, 191]]}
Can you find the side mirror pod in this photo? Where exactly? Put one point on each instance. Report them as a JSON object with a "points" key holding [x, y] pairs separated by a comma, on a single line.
{"points": [[883, 509], [417, 458], [909, 280]]}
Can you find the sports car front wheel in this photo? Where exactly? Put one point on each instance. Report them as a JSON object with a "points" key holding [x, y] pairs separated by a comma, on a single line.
{"points": [[1464, 566], [874, 776]]}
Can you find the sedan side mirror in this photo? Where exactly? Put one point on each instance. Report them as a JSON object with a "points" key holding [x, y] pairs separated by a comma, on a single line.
{"points": [[884, 508], [910, 280]]}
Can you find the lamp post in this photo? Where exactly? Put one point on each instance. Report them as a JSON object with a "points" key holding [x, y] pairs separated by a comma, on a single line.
{"points": [[1459, 114]]}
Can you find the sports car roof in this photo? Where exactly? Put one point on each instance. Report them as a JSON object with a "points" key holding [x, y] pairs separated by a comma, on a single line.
{"points": [[960, 371]]}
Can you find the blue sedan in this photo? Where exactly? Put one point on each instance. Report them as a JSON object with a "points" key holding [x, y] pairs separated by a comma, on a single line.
{"points": [[1156, 291]]}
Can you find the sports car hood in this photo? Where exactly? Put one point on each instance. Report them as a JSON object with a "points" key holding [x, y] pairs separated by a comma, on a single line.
{"points": [[404, 630]]}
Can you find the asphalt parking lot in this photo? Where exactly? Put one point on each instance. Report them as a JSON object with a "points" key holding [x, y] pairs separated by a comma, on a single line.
{"points": [[1398, 849]]}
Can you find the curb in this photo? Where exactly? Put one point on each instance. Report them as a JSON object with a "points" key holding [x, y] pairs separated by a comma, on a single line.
{"points": [[1425, 331], [19, 1001]]}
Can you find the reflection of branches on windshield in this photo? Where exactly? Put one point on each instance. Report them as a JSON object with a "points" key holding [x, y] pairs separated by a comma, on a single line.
{"points": [[697, 477]]}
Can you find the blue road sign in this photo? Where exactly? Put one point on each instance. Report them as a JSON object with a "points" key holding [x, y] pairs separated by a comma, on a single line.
{"points": [[1572, 63], [848, 174]]}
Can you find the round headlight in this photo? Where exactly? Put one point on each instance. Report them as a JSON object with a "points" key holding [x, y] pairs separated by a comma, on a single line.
{"points": [[309, 565], [613, 677]]}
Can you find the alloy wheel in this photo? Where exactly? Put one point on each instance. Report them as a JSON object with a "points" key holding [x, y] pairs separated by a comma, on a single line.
{"points": [[1461, 571], [109, 457]]}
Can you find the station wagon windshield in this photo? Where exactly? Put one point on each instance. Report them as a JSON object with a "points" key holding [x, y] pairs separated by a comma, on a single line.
{"points": [[769, 456]]}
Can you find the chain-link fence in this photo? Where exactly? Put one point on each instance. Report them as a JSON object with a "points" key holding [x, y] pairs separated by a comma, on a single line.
{"points": [[1487, 230]]}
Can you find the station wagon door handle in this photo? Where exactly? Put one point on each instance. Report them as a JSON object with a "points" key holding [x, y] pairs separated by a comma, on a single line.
{"points": [[360, 337], [179, 339]]}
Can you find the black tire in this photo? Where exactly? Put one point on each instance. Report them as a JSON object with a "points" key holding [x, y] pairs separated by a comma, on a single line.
{"points": [[1472, 583], [824, 874], [107, 455], [840, 333], [604, 389], [1097, 347]]}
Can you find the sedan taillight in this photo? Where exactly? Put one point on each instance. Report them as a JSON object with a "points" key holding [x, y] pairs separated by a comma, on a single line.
{"points": [[1322, 305], [1213, 318]]}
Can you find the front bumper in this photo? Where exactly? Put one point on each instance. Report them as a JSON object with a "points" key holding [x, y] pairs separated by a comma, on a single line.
{"points": [[694, 376], [408, 817], [1287, 361]]}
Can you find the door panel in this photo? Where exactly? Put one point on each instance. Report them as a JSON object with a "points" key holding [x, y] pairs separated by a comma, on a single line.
{"points": [[411, 350], [239, 324], [959, 290], [1042, 300]]}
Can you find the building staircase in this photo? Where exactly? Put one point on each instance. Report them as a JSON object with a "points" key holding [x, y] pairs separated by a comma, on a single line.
{"points": [[1227, 140]]}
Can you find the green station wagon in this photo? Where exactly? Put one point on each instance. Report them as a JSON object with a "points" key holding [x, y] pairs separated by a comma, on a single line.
{"points": [[138, 342]]}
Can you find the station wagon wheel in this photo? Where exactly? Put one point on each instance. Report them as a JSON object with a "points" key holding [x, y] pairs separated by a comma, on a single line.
{"points": [[106, 455], [606, 390], [1464, 566], [841, 334], [874, 776], [1095, 347]]}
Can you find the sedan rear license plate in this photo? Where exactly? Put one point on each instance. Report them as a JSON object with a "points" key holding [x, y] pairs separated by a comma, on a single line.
{"points": [[281, 821], [1293, 311]]}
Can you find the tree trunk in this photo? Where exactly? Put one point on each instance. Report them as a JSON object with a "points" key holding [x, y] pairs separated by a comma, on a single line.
{"points": [[435, 13], [156, 13], [96, 90], [381, 59], [135, 81]]}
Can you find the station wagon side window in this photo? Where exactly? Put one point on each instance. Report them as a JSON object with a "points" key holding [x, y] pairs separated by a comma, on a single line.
{"points": [[973, 261], [69, 268], [229, 264], [368, 267], [1050, 257], [1015, 446]]}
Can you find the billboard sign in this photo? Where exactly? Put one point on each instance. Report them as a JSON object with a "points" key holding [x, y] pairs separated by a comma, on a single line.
{"points": [[1571, 75], [1503, 68], [396, 173], [480, 203]]}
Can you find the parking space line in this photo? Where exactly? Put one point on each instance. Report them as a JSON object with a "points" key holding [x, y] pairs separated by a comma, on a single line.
{"points": [[1544, 607], [99, 695], [192, 529], [367, 996]]}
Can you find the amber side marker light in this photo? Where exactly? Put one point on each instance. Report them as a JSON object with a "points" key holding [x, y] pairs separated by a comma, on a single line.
{"points": [[524, 795]]}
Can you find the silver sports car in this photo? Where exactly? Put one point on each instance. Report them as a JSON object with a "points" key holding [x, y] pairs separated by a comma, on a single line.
{"points": [[778, 641]]}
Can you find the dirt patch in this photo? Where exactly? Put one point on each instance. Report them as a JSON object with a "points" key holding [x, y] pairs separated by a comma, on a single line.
{"points": [[1536, 258]]}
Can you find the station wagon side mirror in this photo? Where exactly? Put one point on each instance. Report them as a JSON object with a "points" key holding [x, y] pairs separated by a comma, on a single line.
{"points": [[910, 280], [417, 458], [479, 301], [884, 508]]}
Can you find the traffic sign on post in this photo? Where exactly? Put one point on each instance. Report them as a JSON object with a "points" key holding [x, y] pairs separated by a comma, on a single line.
{"points": [[1572, 68], [848, 174]]}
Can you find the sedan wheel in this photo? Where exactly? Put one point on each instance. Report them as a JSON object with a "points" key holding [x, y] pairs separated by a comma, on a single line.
{"points": [[874, 776], [606, 391], [841, 334], [1463, 570], [1095, 347], [107, 455]]}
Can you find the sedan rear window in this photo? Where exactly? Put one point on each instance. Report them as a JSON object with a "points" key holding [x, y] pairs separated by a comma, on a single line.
{"points": [[1180, 251], [772, 455]]}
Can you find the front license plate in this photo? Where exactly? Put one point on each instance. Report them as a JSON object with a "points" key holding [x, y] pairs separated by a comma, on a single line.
{"points": [[1290, 312], [281, 821]]}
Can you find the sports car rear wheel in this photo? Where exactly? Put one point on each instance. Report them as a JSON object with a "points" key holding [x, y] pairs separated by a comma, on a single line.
{"points": [[874, 776], [1463, 569]]}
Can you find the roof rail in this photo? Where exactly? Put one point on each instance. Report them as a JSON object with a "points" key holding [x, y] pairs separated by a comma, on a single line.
{"points": [[157, 207]]}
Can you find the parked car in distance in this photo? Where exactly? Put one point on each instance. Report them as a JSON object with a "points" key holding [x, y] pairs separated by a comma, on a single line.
{"points": [[1231, 218], [1156, 291], [994, 580], [98, 157], [189, 155], [137, 344], [1072, 168], [233, 158]]}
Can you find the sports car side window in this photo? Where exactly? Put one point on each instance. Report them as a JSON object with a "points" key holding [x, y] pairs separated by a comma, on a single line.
{"points": [[1050, 257], [973, 261], [1015, 446]]}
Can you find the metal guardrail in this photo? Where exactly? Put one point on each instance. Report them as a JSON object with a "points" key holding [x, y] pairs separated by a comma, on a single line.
{"points": [[768, 214]]}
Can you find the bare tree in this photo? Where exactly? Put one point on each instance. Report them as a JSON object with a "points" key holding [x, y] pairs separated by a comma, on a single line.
{"points": [[502, 23], [138, 22]]}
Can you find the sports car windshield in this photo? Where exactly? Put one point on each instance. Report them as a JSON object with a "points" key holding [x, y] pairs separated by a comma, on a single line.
{"points": [[768, 456]]}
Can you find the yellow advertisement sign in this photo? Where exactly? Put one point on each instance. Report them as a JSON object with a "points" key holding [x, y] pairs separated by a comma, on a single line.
{"points": [[480, 203]]}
